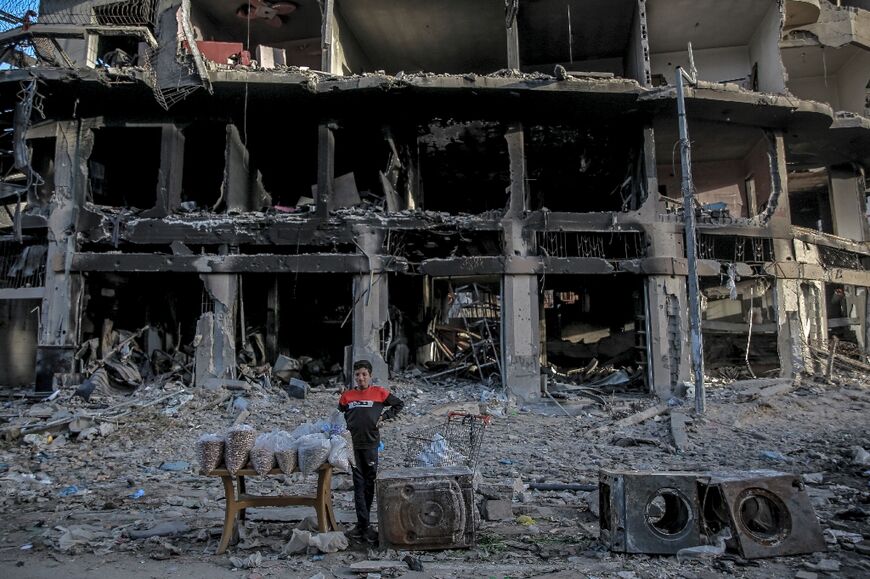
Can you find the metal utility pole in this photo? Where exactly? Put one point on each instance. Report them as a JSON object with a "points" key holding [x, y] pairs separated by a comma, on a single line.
{"points": [[688, 188]]}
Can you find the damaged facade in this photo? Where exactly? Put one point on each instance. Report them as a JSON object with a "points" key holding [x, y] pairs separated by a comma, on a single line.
{"points": [[488, 187]]}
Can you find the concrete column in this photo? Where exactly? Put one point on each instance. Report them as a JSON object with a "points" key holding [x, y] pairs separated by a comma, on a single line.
{"points": [[323, 199], [60, 312], [216, 331], [169, 181], [371, 306], [667, 320], [513, 41], [789, 327], [273, 320], [520, 319], [520, 335], [667, 302]]}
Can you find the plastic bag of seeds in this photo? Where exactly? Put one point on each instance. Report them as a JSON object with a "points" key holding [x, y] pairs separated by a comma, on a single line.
{"points": [[313, 452], [210, 450], [263, 454], [286, 452], [239, 442], [351, 457], [338, 453]]}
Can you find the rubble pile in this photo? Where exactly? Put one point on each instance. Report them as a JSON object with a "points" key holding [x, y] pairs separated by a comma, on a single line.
{"points": [[132, 486]]}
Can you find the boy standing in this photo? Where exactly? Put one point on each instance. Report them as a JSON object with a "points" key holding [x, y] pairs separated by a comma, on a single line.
{"points": [[363, 409]]}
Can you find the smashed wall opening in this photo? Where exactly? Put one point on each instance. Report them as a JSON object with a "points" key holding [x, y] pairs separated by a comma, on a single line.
{"points": [[19, 326], [123, 167], [739, 326], [204, 144], [303, 317], [451, 36], [458, 327], [410, 311], [595, 328], [288, 34], [376, 164], [583, 169], [170, 304], [464, 167], [289, 171], [809, 199], [730, 168], [582, 36], [846, 311], [744, 52]]}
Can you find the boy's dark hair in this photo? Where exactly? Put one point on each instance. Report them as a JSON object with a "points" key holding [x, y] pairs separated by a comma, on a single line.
{"points": [[362, 364]]}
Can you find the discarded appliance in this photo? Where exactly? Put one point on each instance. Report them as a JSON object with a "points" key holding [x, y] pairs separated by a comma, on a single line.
{"points": [[427, 508], [649, 512], [769, 513]]}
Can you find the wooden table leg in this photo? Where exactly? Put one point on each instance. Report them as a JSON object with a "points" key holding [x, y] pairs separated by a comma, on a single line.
{"points": [[243, 513], [229, 515], [323, 501]]}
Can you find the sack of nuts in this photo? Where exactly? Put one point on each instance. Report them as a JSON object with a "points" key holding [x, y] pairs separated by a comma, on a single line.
{"points": [[239, 442], [286, 452], [263, 454], [210, 450]]}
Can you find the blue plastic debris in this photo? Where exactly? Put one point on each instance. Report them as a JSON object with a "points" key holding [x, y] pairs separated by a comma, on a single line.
{"points": [[774, 456], [381, 446], [505, 461], [69, 491], [176, 466], [318, 558], [138, 494]]}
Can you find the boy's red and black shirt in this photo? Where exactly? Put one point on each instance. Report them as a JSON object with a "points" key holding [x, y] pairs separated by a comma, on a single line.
{"points": [[363, 408]]}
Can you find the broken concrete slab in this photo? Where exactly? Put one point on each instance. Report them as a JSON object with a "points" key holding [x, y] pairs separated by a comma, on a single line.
{"points": [[164, 529], [497, 510], [371, 566], [678, 430]]}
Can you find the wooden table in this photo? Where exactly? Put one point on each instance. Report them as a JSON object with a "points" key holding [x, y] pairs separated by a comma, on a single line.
{"points": [[239, 502]]}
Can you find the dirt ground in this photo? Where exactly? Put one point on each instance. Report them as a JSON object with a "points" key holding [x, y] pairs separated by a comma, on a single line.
{"points": [[70, 506]]}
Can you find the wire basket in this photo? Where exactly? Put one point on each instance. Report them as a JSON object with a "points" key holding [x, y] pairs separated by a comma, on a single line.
{"points": [[457, 442]]}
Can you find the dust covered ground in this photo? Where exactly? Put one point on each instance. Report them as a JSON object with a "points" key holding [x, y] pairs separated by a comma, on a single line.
{"points": [[108, 506]]}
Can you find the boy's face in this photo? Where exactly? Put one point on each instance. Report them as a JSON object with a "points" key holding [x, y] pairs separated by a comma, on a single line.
{"points": [[362, 377]]}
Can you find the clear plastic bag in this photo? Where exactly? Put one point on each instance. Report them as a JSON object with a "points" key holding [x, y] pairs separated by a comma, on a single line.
{"points": [[338, 454], [313, 452], [304, 429], [438, 453], [706, 551]]}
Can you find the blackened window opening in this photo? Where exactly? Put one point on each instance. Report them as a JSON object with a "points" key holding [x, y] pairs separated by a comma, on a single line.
{"points": [[124, 166], [465, 167], [582, 169]]}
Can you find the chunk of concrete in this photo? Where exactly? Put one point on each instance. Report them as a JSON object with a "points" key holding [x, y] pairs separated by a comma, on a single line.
{"points": [[297, 388], [499, 510]]}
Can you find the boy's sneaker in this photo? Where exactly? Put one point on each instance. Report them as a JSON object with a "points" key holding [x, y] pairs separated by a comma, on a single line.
{"points": [[358, 533], [371, 535]]}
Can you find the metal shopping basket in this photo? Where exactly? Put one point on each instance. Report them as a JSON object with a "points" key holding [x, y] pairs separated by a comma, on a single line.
{"points": [[456, 442]]}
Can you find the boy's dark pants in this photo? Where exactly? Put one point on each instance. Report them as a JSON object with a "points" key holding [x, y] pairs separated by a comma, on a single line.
{"points": [[364, 474]]}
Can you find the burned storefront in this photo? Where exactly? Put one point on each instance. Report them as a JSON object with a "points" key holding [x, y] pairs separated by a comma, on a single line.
{"points": [[290, 185]]}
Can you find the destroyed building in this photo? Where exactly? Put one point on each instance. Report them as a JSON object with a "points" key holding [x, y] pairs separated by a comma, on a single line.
{"points": [[491, 187]]}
